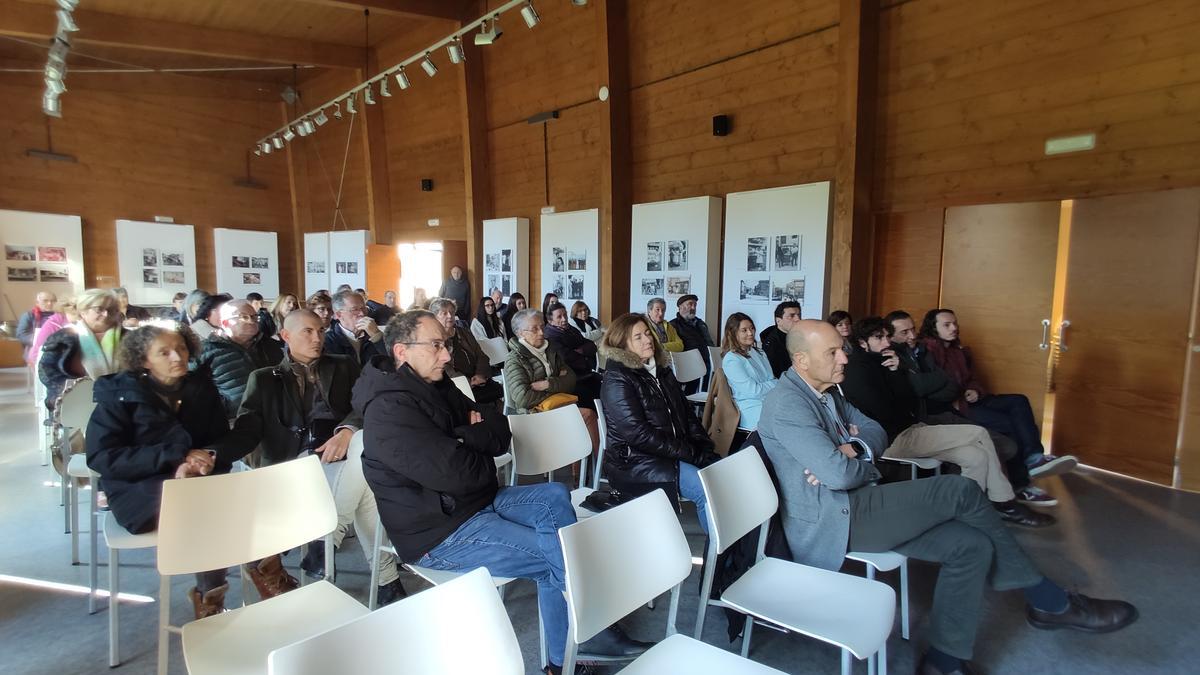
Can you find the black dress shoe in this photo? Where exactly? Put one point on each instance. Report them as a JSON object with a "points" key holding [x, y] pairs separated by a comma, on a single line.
{"points": [[1019, 514], [313, 563], [389, 593], [927, 668], [1086, 614], [613, 641]]}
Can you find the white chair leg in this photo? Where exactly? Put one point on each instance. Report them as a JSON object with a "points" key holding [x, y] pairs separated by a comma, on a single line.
{"points": [[300, 570], [544, 658], [114, 610], [93, 563], [904, 599], [746, 631], [881, 660], [913, 470], [330, 559], [73, 505], [245, 577], [373, 593], [871, 665], [846, 666], [164, 620]]}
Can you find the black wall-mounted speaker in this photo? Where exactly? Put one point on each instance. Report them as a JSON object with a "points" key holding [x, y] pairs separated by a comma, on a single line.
{"points": [[721, 125], [426, 185]]}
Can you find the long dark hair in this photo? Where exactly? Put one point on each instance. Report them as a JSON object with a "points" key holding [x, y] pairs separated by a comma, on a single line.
{"points": [[929, 323], [546, 304], [491, 323], [511, 310]]}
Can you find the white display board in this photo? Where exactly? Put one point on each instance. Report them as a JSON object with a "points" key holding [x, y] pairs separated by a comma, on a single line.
{"points": [[675, 251], [247, 261], [348, 258], [156, 260], [506, 256], [776, 248], [42, 252], [571, 258], [316, 262]]}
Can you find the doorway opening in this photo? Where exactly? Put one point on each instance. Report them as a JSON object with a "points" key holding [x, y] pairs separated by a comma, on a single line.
{"points": [[420, 270]]}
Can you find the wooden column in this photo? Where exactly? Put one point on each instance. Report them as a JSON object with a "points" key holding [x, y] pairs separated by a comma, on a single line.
{"points": [[379, 186], [616, 173], [850, 263], [298, 186], [477, 180]]}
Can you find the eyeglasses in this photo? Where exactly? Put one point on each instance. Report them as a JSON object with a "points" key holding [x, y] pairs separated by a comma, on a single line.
{"points": [[100, 310], [438, 345]]}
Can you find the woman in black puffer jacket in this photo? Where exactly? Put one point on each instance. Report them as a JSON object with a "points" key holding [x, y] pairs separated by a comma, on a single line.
{"points": [[654, 438]]}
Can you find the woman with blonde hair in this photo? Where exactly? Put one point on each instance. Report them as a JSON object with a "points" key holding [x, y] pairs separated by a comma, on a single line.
{"points": [[87, 348], [283, 305]]}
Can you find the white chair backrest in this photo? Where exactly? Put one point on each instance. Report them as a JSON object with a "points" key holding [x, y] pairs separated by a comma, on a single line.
{"points": [[77, 405], [619, 560], [215, 522], [545, 441], [714, 355], [688, 366], [454, 628], [740, 496], [601, 424], [496, 349], [464, 385]]}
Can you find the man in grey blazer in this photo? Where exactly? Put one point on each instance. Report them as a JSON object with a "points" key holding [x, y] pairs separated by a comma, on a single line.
{"points": [[823, 449]]}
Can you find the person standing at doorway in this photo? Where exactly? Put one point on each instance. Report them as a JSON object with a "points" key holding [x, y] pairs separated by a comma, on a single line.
{"points": [[458, 289]]}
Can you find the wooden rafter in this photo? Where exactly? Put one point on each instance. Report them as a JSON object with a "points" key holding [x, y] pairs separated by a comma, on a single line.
{"points": [[439, 9]]}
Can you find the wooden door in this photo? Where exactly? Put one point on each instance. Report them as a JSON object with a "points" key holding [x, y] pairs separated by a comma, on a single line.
{"points": [[1119, 374], [998, 264]]}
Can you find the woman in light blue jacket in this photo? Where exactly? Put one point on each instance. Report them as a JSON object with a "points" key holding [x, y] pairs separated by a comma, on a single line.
{"points": [[746, 368]]}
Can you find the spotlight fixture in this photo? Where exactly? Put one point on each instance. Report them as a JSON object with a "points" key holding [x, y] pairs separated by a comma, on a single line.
{"points": [[277, 142], [530, 15], [68, 5], [350, 105], [65, 22], [309, 126], [288, 134], [383, 88], [321, 118], [402, 79], [489, 33], [427, 65], [51, 105], [579, 3], [302, 128], [368, 95], [265, 147], [55, 86], [258, 152], [337, 110], [455, 50]]}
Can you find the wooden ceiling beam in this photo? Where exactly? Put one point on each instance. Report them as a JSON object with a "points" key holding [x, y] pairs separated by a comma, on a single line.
{"points": [[416, 9], [21, 19]]}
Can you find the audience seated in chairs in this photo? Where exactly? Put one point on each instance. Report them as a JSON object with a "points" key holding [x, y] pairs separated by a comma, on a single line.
{"points": [[64, 315], [587, 325], [266, 322], [208, 312], [1009, 414], [131, 315], [654, 439], [547, 300], [534, 373], [497, 297], [235, 351], [693, 331], [302, 406], [774, 338], [662, 330], [285, 304], [577, 351], [175, 311], [155, 421], [382, 312], [29, 322], [420, 299], [190, 306], [429, 459], [746, 367], [466, 357], [875, 384], [487, 324], [84, 349], [844, 323], [321, 304], [352, 332], [516, 303]]}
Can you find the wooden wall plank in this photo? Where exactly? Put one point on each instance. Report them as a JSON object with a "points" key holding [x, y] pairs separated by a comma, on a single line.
{"points": [[908, 262]]}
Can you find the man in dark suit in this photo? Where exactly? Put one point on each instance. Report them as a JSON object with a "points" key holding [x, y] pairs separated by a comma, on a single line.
{"points": [[352, 332], [774, 338], [382, 312]]}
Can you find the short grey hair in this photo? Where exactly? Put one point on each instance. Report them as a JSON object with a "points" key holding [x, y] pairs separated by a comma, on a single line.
{"points": [[656, 301], [521, 319], [403, 327], [438, 304], [339, 300]]}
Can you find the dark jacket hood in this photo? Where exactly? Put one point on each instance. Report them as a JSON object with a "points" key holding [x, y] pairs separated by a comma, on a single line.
{"points": [[631, 360], [130, 387], [381, 377]]}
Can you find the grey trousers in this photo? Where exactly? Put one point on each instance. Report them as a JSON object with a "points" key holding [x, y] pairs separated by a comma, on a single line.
{"points": [[948, 520]]}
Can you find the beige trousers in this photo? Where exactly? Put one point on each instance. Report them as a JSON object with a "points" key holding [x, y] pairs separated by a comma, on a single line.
{"points": [[967, 445]]}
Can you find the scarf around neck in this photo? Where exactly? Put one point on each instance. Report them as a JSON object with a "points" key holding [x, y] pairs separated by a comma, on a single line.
{"points": [[99, 357], [540, 354]]}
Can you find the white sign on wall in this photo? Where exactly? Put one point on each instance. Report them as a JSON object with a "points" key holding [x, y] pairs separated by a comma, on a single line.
{"points": [[506, 256], [156, 260], [335, 258], [42, 252], [247, 261], [675, 251], [316, 262], [571, 258], [776, 249]]}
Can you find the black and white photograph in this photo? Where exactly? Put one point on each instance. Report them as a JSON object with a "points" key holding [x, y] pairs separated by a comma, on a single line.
{"points": [[339, 268], [150, 258], [506, 288], [787, 253], [787, 289], [314, 267], [53, 274], [251, 278], [258, 263], [755, 290], [150, 276], [677, 256], [491, 262], [558, 259], [558, 285], [506, 260], [495, 281], [756, 254], [577, 261], [654, 256], [652, 287], [241, 261], [173, 277], [172, 259], [575, 286], [22, 273], [352, 267], [20, 253], [679, 286], [52, 254]]}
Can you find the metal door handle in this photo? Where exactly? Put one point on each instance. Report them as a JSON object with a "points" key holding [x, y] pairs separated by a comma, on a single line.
{"points": [[1062, 335], [1045, 344]]}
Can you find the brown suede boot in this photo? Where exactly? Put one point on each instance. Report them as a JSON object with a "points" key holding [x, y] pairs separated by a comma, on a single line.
{"points": [[270, 578], [212, 602]]}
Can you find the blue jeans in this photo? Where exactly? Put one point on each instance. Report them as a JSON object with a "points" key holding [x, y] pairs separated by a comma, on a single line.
{"points": [[690, 487], [517, 536], [1011, 415]]}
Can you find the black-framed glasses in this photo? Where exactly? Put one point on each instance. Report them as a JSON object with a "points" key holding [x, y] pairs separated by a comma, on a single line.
{"points": [[438, 345]]}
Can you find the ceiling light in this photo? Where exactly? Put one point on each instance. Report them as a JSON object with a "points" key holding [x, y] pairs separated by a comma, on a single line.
{"points": [[68, 5], [277, 142], [579, 3], [383, 88], [321, 118], [402, 79], [301, 128], [55, 86], [530, 15], [489, 33], [427, 65], [288, 135], [51, 105], [308, 124], [265, 147], [368, 95], [65, 22], [455, 50], [350, 104], [337, 110], [258, 152]]}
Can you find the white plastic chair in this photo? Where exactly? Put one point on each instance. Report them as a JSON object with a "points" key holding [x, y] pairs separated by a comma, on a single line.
{"points": [[545, 441], [215, 522], [688, 366], [602, 424], [914, 463], [456, 628], [886, 562], [714, 356], [464, 385], [118, 539], [616, 562], [496, 350], [75, 409], [852, 613]]}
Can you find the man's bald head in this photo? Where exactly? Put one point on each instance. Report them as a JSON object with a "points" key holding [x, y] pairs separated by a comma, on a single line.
{"points": [[299, 317], [803, 333], [304, 333], [816, 351]]}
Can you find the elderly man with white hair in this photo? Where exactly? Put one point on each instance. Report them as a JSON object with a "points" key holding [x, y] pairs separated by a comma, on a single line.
{"points": [[235, 350], [31, 321]]}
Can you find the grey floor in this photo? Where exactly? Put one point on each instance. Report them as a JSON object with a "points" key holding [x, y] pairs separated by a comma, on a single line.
{"points": [[1116, 537]]}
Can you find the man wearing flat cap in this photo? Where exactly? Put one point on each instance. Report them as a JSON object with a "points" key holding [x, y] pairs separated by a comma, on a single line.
{"points": [[694, 333]]}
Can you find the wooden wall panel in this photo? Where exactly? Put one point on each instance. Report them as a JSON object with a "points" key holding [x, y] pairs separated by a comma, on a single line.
{"points": [[908, 262], [969, 92], [142, 155], [325, 152]]}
